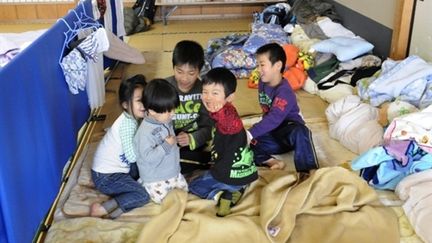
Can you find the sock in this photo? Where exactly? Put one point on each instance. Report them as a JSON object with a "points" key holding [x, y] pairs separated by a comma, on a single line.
{"points": [[236, 197], [224, 204], [110, 205], [115, 213]]}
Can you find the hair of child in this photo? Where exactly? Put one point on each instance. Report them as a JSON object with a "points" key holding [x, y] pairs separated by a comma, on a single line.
{"points": [[127, 88], [222, 76], [188, 52], [160, 96], [275, 53]]}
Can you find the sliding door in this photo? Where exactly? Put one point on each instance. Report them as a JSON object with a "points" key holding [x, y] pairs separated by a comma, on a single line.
{"points": [[421, 38]]}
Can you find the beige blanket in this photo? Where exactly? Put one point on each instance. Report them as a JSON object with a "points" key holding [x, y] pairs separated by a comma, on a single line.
{"points": [[333, 205]]}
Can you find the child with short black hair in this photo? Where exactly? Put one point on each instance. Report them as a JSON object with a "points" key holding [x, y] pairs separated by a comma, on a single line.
{"points": [[282, 127], [114, 170], [233, 167], [192, 124], [158, 157]]}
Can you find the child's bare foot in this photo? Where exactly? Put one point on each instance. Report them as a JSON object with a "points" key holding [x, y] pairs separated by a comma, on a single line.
{"points": [[275, 164], [97, 210]]}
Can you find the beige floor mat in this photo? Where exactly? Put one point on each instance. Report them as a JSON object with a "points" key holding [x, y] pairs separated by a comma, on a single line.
{"points": [[312, 107]]}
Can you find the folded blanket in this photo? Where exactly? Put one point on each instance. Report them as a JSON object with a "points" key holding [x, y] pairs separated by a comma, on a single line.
{"points": [[332, 205], [278, 209], [351, 121]]}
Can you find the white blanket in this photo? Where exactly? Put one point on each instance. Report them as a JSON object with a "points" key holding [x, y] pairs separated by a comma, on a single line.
{"points": [[406, 79], [416, 191], [354, 124], [417, 126]]}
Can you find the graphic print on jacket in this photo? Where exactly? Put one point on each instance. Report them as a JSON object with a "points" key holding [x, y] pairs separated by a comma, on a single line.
{"points": [[158, 133], [233, 159], [187, 112], [242, 166], [266, 102]]}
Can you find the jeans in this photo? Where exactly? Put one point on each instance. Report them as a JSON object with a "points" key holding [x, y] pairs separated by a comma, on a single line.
{"points": [[127, 192], [207, 187], [287, 137]]}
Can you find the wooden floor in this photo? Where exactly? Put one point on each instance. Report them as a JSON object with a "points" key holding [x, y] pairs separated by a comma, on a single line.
{"points": [[17, 28], [157, 44]]}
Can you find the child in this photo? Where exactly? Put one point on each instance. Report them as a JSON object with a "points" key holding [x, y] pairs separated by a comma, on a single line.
{"points": [[233, 167], [282, 128], [158, 157], [191, 123], [115, 158]]}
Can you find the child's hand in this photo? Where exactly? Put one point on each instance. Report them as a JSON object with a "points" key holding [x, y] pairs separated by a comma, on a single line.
{"points": [[183, 139], [170, 140]]}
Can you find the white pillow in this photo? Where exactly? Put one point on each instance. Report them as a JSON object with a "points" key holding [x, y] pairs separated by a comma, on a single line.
{"points": [[333, 29], [344, 48]]}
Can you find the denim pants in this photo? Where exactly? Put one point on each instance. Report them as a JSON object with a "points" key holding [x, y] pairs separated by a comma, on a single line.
{"points": [[206, 186], [127, 192], [287, 137]]}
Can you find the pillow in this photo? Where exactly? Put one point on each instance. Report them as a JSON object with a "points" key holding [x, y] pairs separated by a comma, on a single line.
{"points": [[398, 108], [344, 48], [333, 29], [263, 34]]}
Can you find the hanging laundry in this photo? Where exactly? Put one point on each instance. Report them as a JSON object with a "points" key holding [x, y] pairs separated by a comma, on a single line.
{"points": [[83, 66], [74, 68], [101, 5], [93, 47]]}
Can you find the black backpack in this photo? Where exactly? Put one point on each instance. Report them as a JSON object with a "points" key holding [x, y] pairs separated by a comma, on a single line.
{"points": [[276, 14], [134, 24], [145, 8]]}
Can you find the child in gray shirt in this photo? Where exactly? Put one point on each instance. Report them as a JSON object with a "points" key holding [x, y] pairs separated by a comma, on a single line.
{"points": [[158, 157]]}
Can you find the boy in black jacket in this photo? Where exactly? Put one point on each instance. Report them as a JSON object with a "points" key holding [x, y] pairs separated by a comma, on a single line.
{"points": [[233, 167], [192, 124]]}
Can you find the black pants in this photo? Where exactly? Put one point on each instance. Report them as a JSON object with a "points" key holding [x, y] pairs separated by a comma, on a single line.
{"points": [[287, 137], [191, 160]]}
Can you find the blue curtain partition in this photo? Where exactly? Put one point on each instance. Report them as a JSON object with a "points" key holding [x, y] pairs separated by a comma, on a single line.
{"points": [[40, 120]]}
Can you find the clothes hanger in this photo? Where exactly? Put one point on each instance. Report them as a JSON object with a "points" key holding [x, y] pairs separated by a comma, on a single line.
{"points": [[71, 43], [86, 21], [69, 34], [82, 22], [78, 19]]}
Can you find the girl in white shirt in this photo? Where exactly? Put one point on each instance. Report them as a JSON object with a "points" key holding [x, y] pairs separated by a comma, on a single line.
{"points": [[114, 170]]}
